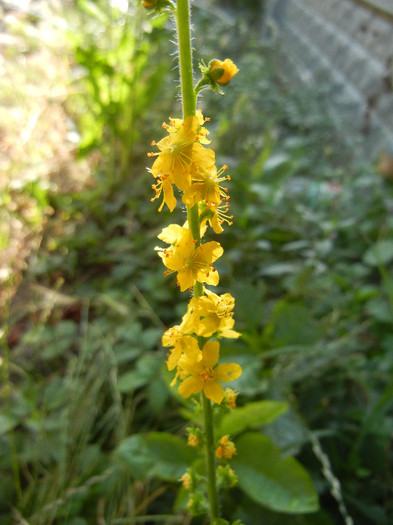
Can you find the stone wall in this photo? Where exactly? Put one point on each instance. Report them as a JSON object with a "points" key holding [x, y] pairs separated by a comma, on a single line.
{"points": [[345, 49]]}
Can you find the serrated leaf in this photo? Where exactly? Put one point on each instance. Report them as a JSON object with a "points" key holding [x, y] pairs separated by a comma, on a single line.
{"points": [[279, 483], [252, 415]]}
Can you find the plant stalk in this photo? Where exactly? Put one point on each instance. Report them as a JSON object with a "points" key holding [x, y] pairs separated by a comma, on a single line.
{"points": [[210, 459], [183, 26]]}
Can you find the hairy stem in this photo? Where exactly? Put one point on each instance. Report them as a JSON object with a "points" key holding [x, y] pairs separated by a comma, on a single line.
{"points": [[189, 108], [210, 458]]}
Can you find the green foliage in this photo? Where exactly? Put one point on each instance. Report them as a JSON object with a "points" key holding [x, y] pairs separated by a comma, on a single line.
{"points": [[89, 427], [119, 75], [272, 481], [253, 415], [156, 454]]}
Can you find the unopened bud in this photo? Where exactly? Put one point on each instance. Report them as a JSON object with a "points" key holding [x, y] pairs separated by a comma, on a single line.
{"points": [[222, 72]]}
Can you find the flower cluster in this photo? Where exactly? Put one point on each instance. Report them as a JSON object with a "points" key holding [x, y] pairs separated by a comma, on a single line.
{"points": [[184, 167]]}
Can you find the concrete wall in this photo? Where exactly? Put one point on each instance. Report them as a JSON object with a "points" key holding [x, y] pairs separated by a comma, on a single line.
{"points": [[345, 48]]}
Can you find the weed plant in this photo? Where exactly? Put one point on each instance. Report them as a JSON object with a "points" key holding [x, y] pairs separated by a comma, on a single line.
{"points": [[312, 248]]}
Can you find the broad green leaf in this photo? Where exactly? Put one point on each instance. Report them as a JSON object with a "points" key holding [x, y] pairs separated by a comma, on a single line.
{"points": [[157, 454], [171, 455], [379, 308], [252, 415], [380, 253], [134, 454], [6, 423], [279, 483]]}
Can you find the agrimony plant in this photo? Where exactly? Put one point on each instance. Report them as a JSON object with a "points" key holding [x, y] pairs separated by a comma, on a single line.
{"points": [[185, 162], [184, 169]]}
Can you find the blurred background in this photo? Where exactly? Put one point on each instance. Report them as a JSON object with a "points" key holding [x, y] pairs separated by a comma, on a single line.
{"points": [[306, 128]]}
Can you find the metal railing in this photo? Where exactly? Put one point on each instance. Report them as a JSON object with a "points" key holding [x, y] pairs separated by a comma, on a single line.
{"points": [[383, 8]]}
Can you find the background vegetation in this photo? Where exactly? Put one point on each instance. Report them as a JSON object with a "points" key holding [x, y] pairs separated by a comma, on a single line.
{"points": [[90, 431]]}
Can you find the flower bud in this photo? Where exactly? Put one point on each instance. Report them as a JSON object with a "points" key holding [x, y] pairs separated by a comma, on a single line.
{"points": [[222, 72], [226, 477], [230, 397], [157, 5], [193, 440], [226, 449], [197, 504]]}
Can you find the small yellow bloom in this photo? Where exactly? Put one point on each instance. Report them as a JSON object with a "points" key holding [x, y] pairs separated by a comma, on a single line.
{"points": [[226, 448], [181, 343], [223, 72], [180, 152], [193, 440], [176, 123], [205, 186], [200, 372], [215, 214], [186, 480], [211, 314], [192, 264], [230, 397]]}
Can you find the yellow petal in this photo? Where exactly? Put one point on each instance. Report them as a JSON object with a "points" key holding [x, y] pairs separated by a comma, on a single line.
{"points": [[210, 353], [214, 391], [190, 345], [186, 279], [174, 357], [208, 326], [211, 278], [191, 385], [169, 197], [171, 233], [228, 372]]}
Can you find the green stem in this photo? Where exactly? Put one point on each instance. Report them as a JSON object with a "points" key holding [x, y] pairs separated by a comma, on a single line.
{"points": [[189, 108], [185, 57], [210, 459], [188, 101]]}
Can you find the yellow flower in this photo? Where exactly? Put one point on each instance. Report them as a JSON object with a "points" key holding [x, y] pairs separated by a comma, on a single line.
{"points": [[226, 448], [217, 215], [191, 264], [180, 152], [230, 397], [186, 480], [211, 314], [200, 371], [181, 343], [164, 185], [193, 440], [222, 72], [172, 233], [205, 186], [176, 123]]}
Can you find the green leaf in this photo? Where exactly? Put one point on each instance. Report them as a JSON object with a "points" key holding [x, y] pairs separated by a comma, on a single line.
{"points": [[6, 423], [379, 308], [134, 454], [380, 253], [157, 454], [171, 455], [279, 483], [251, 416]]}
